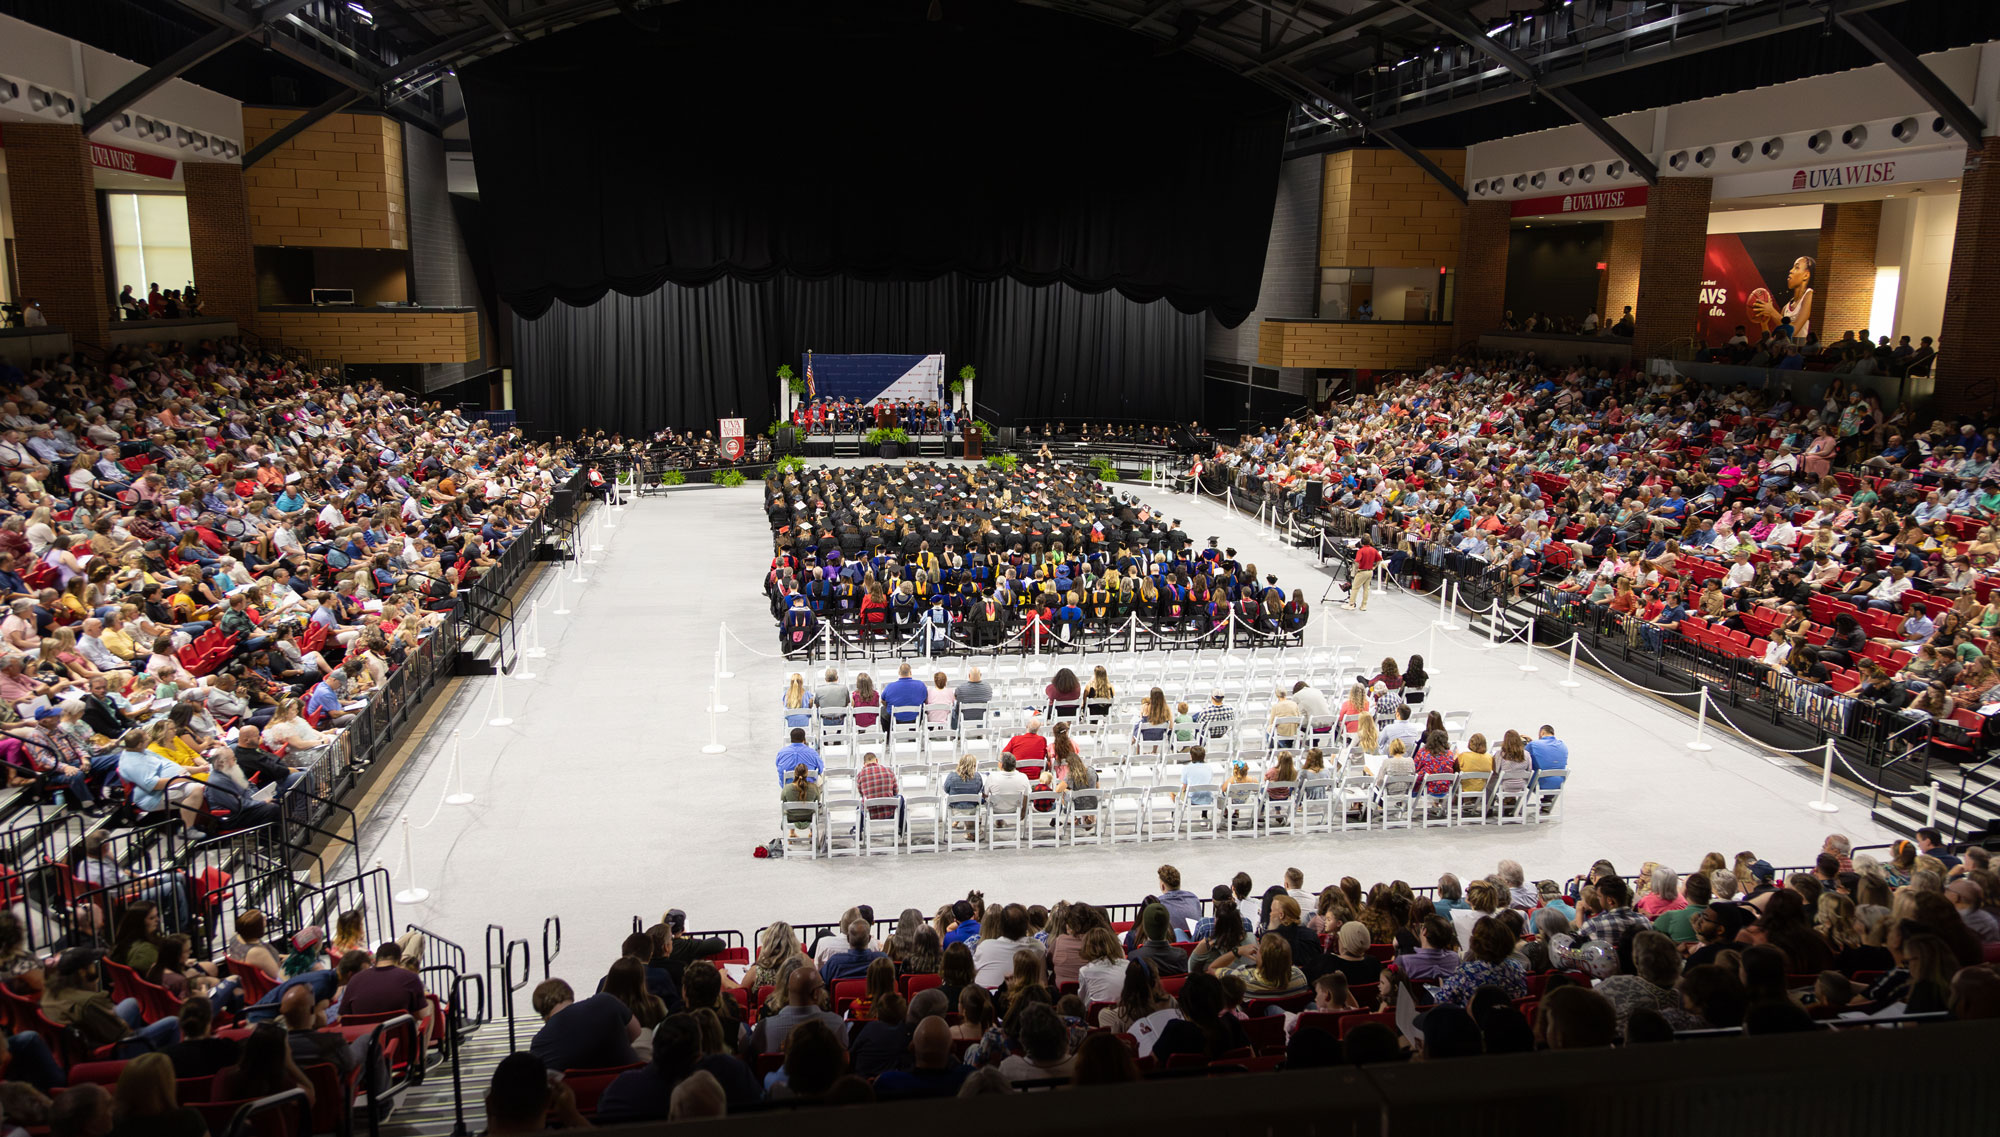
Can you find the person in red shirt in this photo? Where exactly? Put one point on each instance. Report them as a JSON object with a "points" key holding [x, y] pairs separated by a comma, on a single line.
{"points": [[874, 780], [1030, 750], [1365, 559]]}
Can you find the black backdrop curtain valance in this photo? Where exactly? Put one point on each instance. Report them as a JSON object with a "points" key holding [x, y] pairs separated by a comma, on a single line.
{"points": [[686, 356], [786, 140]]}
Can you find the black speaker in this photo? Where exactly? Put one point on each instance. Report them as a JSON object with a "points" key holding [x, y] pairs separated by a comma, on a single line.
{"points": [[1315, 494]]}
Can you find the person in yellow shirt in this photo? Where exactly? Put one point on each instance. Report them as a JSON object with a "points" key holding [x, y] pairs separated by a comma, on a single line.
{"points": [[177, 745], [1474, 759]]}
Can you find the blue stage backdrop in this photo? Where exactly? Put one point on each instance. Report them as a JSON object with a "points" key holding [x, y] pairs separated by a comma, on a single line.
{"points": [[866, 378]]}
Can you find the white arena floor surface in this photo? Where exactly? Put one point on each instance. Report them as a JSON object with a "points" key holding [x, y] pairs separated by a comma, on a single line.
{"points": [[597, 803]]}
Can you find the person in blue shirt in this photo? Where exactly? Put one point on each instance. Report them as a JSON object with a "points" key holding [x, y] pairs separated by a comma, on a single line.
{"points": [[797, 754], [152, 778], [903, 698], [1547, 752], [966, 931], [325, 700]]}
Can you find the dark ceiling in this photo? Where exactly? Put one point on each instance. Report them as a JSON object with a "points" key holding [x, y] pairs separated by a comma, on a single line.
{"points": [[1438, 73]]}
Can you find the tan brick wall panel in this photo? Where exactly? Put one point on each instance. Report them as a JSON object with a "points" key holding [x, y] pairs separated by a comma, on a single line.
{"points": [[1379, 210], [1481, 288], [362, 336], [1377, 346], [1618, 288], [338, 184], [219, 226]]}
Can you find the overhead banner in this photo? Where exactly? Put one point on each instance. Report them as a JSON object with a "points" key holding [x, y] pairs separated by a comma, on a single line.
{"points": [[1588, 202], [127, 161], [1860, 173], [1757, 280], [867, 378]]}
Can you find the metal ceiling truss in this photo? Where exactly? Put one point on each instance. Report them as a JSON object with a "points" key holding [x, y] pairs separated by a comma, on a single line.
{"points": [[1591, 39], [150, 80], [1912, 70]]}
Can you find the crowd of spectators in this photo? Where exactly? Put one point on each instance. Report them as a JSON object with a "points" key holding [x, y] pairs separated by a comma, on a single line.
{"points": [[981, 997], [1859, 542]]}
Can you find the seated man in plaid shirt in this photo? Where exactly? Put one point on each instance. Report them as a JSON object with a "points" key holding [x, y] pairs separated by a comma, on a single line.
{"points": [[877, 781]]}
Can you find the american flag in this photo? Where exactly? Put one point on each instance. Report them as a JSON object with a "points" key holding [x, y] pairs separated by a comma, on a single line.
{"points": [[812, 392]]}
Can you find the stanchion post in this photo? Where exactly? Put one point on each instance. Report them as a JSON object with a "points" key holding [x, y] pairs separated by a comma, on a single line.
{"points": [[1701, 724], [499, 702], [1569, 677], [1528, 642], [1132, 632], [1826, 804], [722, 653], [715, 745], [596, 538], [456, 775], [562, 598], [715, 706], [411, 894], [534, 650]]}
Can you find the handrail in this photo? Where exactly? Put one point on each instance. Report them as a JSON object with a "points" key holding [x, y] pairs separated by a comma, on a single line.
{"points": [[548, 956], [375, 1061], [1965, 777], [455, 1031], [239, 1122]]}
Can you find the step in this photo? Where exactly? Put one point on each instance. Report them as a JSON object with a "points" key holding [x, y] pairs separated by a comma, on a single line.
{"points": [[428, 1110], [478, 654], [1965, 817]]}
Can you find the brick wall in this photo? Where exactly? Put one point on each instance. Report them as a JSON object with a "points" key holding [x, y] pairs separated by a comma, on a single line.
{"points": [[1618, 285], [1370, 344], [219, 227], [1671, 257], [382, 336], [1844, 271], [1291, 263], [1481, 288], [1378, 209], [338, 184], [58, 250], [1968, 351]]}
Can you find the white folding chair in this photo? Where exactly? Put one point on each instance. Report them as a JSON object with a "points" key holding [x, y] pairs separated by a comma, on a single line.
{"points": [[801, 823], [1003, 822], [1315, 814], [914, 778], [843, 826], [906, 742], [1083, 817], [1162, 814], [1356, 799], [1437, 808], [1125, 810], [1042, 822], [962, 821], [834, 737], [1512, 800], [1201, 821], [1393, 802], [1243, 811], [1470, 805], [881, 835], [923, 823], [1544, 804], [1281, 813]]}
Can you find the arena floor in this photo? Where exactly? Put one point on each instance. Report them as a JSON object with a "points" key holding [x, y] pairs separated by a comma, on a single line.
{"points": [[597, 804]]}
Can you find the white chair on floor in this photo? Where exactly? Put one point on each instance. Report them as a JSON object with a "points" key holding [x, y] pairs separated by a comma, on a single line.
{"points": [[1003, 823], [1470, 805], [1281, 808], [1083, 819], [1042, 822], [1545, 804], [923, 823], [1317, 814], [882, 835], [801, 825], [961, 825], [1201, 821], [843, 826], [1356, 804], [915, 778], [1393, 802], [1242, 811], [1162, 814], [1435, 810], [1125, 815]]}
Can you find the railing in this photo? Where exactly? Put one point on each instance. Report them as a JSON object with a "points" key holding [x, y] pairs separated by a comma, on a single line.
{"points": [[549, 954], [504, 969], [244, 1123]]}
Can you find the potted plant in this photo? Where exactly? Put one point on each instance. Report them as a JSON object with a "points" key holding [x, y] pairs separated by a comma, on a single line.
{"points": [[729, 479], [1106, 472], [1004, 463], [673, 478], [791, 380], [965, 375], [888, 440]]}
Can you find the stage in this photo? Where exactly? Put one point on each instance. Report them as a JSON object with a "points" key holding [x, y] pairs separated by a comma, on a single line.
{"points": [[597, 803]]}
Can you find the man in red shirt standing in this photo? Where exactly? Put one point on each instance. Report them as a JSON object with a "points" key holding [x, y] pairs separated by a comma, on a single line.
{"points": [[1365, 559]]}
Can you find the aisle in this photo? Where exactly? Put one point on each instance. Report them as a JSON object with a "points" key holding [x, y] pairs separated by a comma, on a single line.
{"points": [[598, 805]]}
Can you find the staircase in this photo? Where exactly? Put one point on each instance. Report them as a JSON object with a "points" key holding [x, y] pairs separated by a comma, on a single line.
{"points": [[1961, 813], [430, 1110]]}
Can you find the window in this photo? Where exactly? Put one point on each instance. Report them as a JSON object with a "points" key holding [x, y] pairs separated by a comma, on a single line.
{"points": [[149, 241]]}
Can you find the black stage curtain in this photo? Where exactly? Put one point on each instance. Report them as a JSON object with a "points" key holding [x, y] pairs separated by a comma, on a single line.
{"points": [[685, 356], [802, 139]]}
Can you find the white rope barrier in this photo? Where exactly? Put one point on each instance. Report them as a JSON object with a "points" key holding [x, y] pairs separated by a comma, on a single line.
{"points": [[1635, 686]]}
